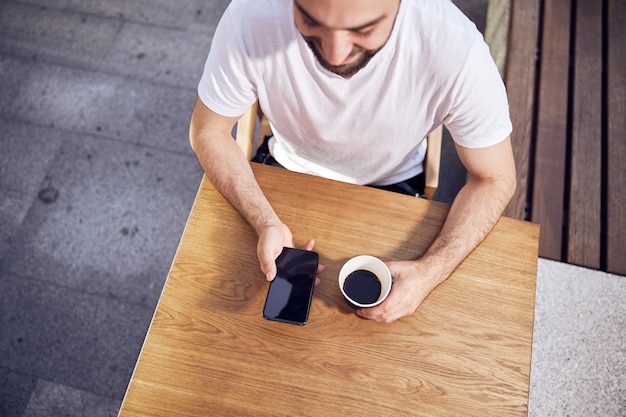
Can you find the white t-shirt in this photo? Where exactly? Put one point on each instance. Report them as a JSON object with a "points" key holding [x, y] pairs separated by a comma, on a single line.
{"points": [[435, 68]]}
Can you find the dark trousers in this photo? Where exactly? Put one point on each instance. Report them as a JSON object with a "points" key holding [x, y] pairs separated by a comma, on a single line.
{"points": [[412, 186]]}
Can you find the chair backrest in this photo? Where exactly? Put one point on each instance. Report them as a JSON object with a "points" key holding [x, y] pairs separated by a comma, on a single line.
{"points": [[254, 121]]}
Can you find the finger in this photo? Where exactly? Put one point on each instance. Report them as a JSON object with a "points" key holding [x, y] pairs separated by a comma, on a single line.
{"points": [[320, 269], [364, 314], [269, 269], [368, 313], [380, 318], [267, 262], [271, 274], [309, 245], [381, 313]]}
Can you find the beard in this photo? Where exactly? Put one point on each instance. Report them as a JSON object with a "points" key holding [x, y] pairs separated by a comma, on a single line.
{"points": [[344, 70]]}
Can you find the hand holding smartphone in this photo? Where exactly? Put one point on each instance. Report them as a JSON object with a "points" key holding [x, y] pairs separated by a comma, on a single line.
{"points": [[290, 293]]}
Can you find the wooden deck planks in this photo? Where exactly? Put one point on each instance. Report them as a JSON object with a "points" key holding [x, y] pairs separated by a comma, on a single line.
{"points": [[551, 140], [616, 135], [520, 73], [569, 124], [497, 31], [585, 196]]}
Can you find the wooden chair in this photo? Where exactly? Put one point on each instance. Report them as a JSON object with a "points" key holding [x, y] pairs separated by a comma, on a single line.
{"points": [[247, 125]]}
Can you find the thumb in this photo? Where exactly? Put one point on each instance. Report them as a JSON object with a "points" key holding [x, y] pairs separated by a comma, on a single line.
{"points": [[270, 272], [267, 262]]}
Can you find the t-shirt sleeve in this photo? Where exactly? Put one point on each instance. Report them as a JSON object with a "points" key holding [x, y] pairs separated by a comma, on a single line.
{"points": [[479, 115], [227, 85]]}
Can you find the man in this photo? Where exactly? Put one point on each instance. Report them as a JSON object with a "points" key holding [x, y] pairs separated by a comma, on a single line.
{"points": [[352, 88]]}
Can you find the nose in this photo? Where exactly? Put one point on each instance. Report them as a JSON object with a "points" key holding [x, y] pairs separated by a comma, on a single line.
{"points": [[337, 47]]}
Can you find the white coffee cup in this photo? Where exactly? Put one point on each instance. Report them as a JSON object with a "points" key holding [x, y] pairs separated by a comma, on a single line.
{"points": [[373, 265]]}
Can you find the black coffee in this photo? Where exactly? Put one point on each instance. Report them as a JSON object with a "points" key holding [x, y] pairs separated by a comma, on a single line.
{"points": [[362, 286]]}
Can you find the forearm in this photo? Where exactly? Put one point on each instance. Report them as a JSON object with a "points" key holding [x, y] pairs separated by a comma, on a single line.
{"points": [[473, 214], [229, 171]]}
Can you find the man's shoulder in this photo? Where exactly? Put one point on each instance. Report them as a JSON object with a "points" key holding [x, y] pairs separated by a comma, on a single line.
{"points": [[438, 28], [441, 16]]}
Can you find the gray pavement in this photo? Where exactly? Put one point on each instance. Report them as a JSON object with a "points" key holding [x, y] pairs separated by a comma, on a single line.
{"points": [[96, 182]]}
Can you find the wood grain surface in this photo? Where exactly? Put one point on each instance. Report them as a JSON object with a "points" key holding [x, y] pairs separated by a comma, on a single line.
{"points": [[209, 352], [520, 79], [616, 109], [551, 142], [585, 195]]}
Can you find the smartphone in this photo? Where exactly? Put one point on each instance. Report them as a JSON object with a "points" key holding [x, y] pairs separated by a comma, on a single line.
{"points": [[290, 293]]}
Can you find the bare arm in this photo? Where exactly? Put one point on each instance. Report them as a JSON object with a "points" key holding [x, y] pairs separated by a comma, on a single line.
{"points": [[476, 208], [229, 171], [473, 214]]}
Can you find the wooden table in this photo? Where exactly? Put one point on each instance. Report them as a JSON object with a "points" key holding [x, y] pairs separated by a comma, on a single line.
{"points": [[209, 352]]}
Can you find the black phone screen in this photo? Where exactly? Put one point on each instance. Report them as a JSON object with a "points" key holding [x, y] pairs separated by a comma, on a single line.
{"points": [[289, 294]]}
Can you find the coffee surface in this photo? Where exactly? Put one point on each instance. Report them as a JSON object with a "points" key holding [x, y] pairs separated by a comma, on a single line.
{"points": [[362, 286]]}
